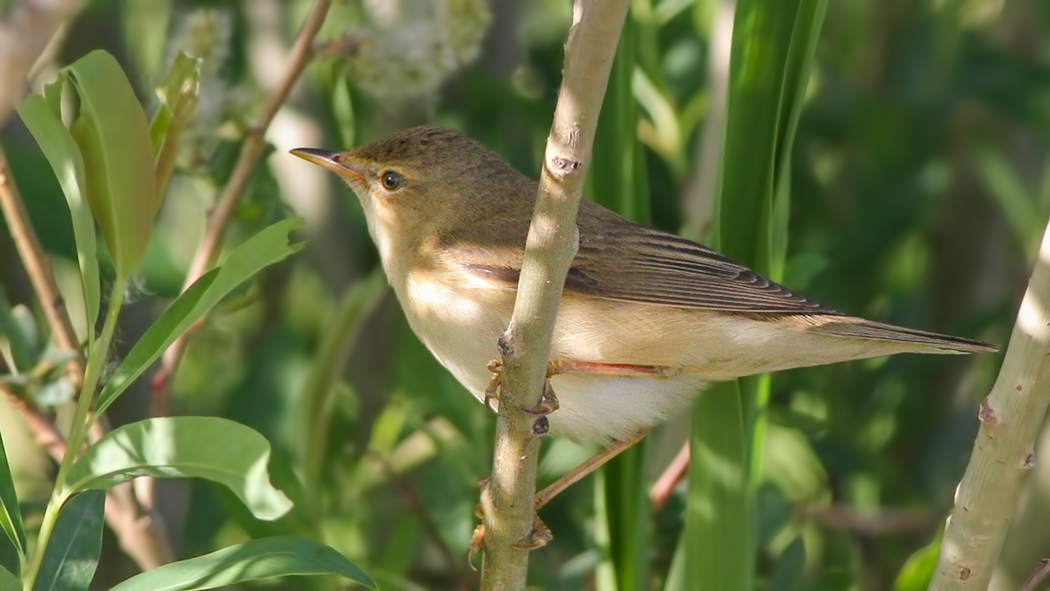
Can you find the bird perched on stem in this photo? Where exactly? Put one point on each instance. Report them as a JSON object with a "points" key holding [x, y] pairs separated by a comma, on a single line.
{"points": [[646, 317]]}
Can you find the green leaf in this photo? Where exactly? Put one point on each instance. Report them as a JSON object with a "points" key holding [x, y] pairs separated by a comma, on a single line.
{"points": [[178, 95], [717, 519], [113, 136], [788, 572], [64, 156], [8, 581], [257, 559], [10, 516], [74, 546], [216, 449], [264, 249], [918, 570], [16, 347]]}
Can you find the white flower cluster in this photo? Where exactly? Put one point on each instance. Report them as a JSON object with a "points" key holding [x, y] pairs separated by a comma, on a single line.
{"points": [[412, 46]]}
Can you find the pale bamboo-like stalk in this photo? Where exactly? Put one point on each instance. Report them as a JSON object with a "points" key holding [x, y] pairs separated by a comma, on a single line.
{"points": [[551, 245], [1010, 418]]}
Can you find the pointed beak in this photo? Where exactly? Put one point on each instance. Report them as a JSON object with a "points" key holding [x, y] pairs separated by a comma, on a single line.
{"points": [[334, 161]]}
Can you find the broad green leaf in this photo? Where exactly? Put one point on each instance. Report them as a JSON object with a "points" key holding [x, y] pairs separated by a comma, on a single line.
{"points": [[64, 156], [178, 97], [113, 136], [74, 546], [264, 249], [216, 449], [258, 559], [10, 515]]}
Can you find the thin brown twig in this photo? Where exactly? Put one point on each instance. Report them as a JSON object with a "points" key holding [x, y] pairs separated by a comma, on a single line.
{"points": [[873, 523], [1038, 577], [45, 434], [252, 148]]}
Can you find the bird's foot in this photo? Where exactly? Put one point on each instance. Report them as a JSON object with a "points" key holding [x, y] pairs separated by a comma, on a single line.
{"points": [[548, 402], [539, 536]]}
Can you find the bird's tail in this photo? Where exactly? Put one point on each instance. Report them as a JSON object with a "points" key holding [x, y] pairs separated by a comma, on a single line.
{"points": [[926, 342]]}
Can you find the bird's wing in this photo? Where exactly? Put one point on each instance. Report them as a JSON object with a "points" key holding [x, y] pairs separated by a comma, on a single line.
{"points": [[621, 260], [635, 263]]}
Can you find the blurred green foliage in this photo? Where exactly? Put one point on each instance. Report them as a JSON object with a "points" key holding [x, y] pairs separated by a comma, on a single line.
{"points": [[918, 193]]}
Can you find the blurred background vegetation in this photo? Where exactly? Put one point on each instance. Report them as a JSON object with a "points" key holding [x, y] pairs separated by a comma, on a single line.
{"points": [[918, 197]]}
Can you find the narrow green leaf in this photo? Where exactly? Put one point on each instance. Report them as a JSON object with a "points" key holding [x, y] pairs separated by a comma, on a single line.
{"points": [[717, 520], [113, 136], [178, 95], [264, 249], [258, 559], [10, 515], [216, 449], [74, 546], [64, 156]]}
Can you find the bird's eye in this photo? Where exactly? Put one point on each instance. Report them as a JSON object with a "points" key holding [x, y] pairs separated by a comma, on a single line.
{"points": [[392, 180]]}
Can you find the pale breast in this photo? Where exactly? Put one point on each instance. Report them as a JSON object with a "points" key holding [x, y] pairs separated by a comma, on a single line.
{"points": [[459, 318]]}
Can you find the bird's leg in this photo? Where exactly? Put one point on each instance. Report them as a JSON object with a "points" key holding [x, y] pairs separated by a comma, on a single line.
{"points": [[597, 461], [541, 534], [611, 369], [548, 403]]}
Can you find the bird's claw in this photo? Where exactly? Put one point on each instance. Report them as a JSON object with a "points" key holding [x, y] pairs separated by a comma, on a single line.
{"points": [[548, 402], [492, 391], [477, 544], [539, 536]]}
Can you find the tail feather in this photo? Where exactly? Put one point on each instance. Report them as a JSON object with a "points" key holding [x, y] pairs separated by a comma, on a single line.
{"points": [[930, 342]]}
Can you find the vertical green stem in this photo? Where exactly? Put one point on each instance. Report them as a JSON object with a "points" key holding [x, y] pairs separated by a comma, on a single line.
{"points": [[78, 431]]}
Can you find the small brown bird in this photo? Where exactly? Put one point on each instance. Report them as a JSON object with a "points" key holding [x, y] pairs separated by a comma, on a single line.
{"points": [[646, 317]]}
